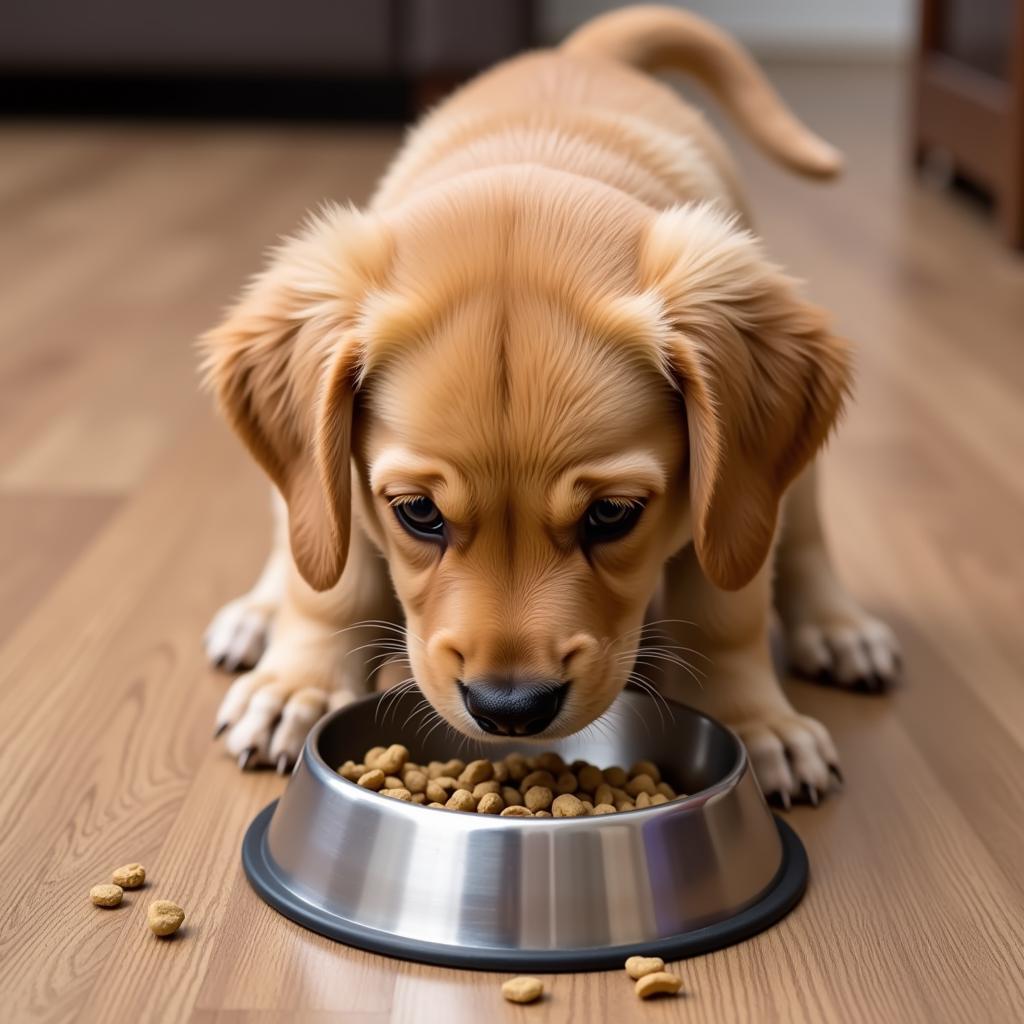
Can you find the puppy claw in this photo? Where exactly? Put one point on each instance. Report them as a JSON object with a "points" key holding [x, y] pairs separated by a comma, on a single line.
{"points": [[220, 730], [810, 794], [780, 799], [837, 774], [245, 757], [283, 764]]}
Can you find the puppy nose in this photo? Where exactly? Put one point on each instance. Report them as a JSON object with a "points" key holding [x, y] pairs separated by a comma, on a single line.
{"points": [[505, 707]]}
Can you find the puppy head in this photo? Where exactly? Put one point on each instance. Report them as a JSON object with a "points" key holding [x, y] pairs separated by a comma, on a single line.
{"points": [[544, 396]]}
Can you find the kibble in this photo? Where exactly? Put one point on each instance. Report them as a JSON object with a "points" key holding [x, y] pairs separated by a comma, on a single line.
{"points": [[658, 983], [538, 798], [517, 786], [522, 990], [567, 806], [373, 779], [106, 895], [164, 917], [461, 800], [476, 771], [638, 966], [130, 876], [490, 803]]}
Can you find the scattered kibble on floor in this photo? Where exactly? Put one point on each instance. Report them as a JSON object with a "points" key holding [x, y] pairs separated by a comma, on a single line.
{"points": [[657, 984], [522, 990], [106, 895], [638, 966], [164, 917], [130, 876], [517, 786]]}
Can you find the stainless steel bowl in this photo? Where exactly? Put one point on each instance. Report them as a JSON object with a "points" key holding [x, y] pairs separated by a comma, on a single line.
{"points": [[470, 890]]}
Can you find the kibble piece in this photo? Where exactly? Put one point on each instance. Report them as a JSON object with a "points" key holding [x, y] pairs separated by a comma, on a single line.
{"points": [[392, 759], [454, 767], [658, 798], [566, 783], [415, 781], [648, 768], [604, 809], [106, 895], [500, 771], [640, 966], [435, 792], [482, 788], [435, 768], [659, 983], [522, 990], [393, 782], [542, 814], [435, 803], [625, 805], [567, 806], [619, 794], [373, 779], [640, 784], [538, 798], [511, 796], [130, 876], [643, 799], [517, 768], [164, 917], [490, 803], [666, 790], [397, 793], [461, 800], [476, 771], [603, 794], [538, 778], [517, 811], [588, 807], [447, 782], [616, 776], [590, 778], [351, 771], [551, 762], [370, 759]]}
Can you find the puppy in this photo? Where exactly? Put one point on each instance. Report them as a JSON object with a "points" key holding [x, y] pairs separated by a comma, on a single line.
{"points": [[532, 415]]}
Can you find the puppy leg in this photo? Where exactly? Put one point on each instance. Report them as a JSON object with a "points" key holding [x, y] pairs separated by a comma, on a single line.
{"points": [[829, 636], [238, 634], [724, 638], [321, 655]]}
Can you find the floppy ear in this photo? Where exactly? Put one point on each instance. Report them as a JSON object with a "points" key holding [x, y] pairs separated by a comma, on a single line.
{"points": [[284, 365], [762, 377]]}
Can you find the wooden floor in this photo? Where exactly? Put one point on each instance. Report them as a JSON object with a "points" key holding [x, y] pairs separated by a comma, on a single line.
{"points": [[127, 515]]}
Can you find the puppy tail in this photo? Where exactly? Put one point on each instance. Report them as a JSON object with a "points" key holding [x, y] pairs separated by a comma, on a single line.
{"points": [[653, 38]]}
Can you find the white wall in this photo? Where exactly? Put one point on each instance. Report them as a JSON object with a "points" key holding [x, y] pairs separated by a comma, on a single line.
{"points": [[785, 28]]}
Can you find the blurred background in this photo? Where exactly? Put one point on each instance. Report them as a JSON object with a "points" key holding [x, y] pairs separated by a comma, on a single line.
{"points": [[151, 151]]}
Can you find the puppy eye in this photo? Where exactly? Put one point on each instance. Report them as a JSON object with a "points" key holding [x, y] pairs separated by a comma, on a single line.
{"points": [[420, 517], [611, 518]]}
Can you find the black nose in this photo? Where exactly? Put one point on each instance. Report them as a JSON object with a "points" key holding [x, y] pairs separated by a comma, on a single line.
{"points": [[506, 707]]}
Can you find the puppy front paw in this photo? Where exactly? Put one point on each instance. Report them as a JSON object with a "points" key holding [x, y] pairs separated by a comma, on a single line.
{"points": [[851, 649], [238, 634], [266, 715], [792, 755]]}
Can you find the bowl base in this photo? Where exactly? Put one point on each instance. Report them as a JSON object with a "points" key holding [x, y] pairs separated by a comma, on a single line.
{"points": [[779, 898]]}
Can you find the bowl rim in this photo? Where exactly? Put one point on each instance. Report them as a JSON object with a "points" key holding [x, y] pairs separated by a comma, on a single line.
{"points": [[329, 776]]}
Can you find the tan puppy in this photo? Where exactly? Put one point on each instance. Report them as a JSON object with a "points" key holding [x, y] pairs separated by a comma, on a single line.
{"points": [[551, 378]]}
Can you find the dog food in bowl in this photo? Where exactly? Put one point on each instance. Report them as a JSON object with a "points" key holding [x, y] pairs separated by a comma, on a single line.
{"points": [[517, 786]]}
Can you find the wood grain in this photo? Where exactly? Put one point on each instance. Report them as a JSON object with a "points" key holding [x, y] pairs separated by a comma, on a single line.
{"points": [[128, 514]]}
